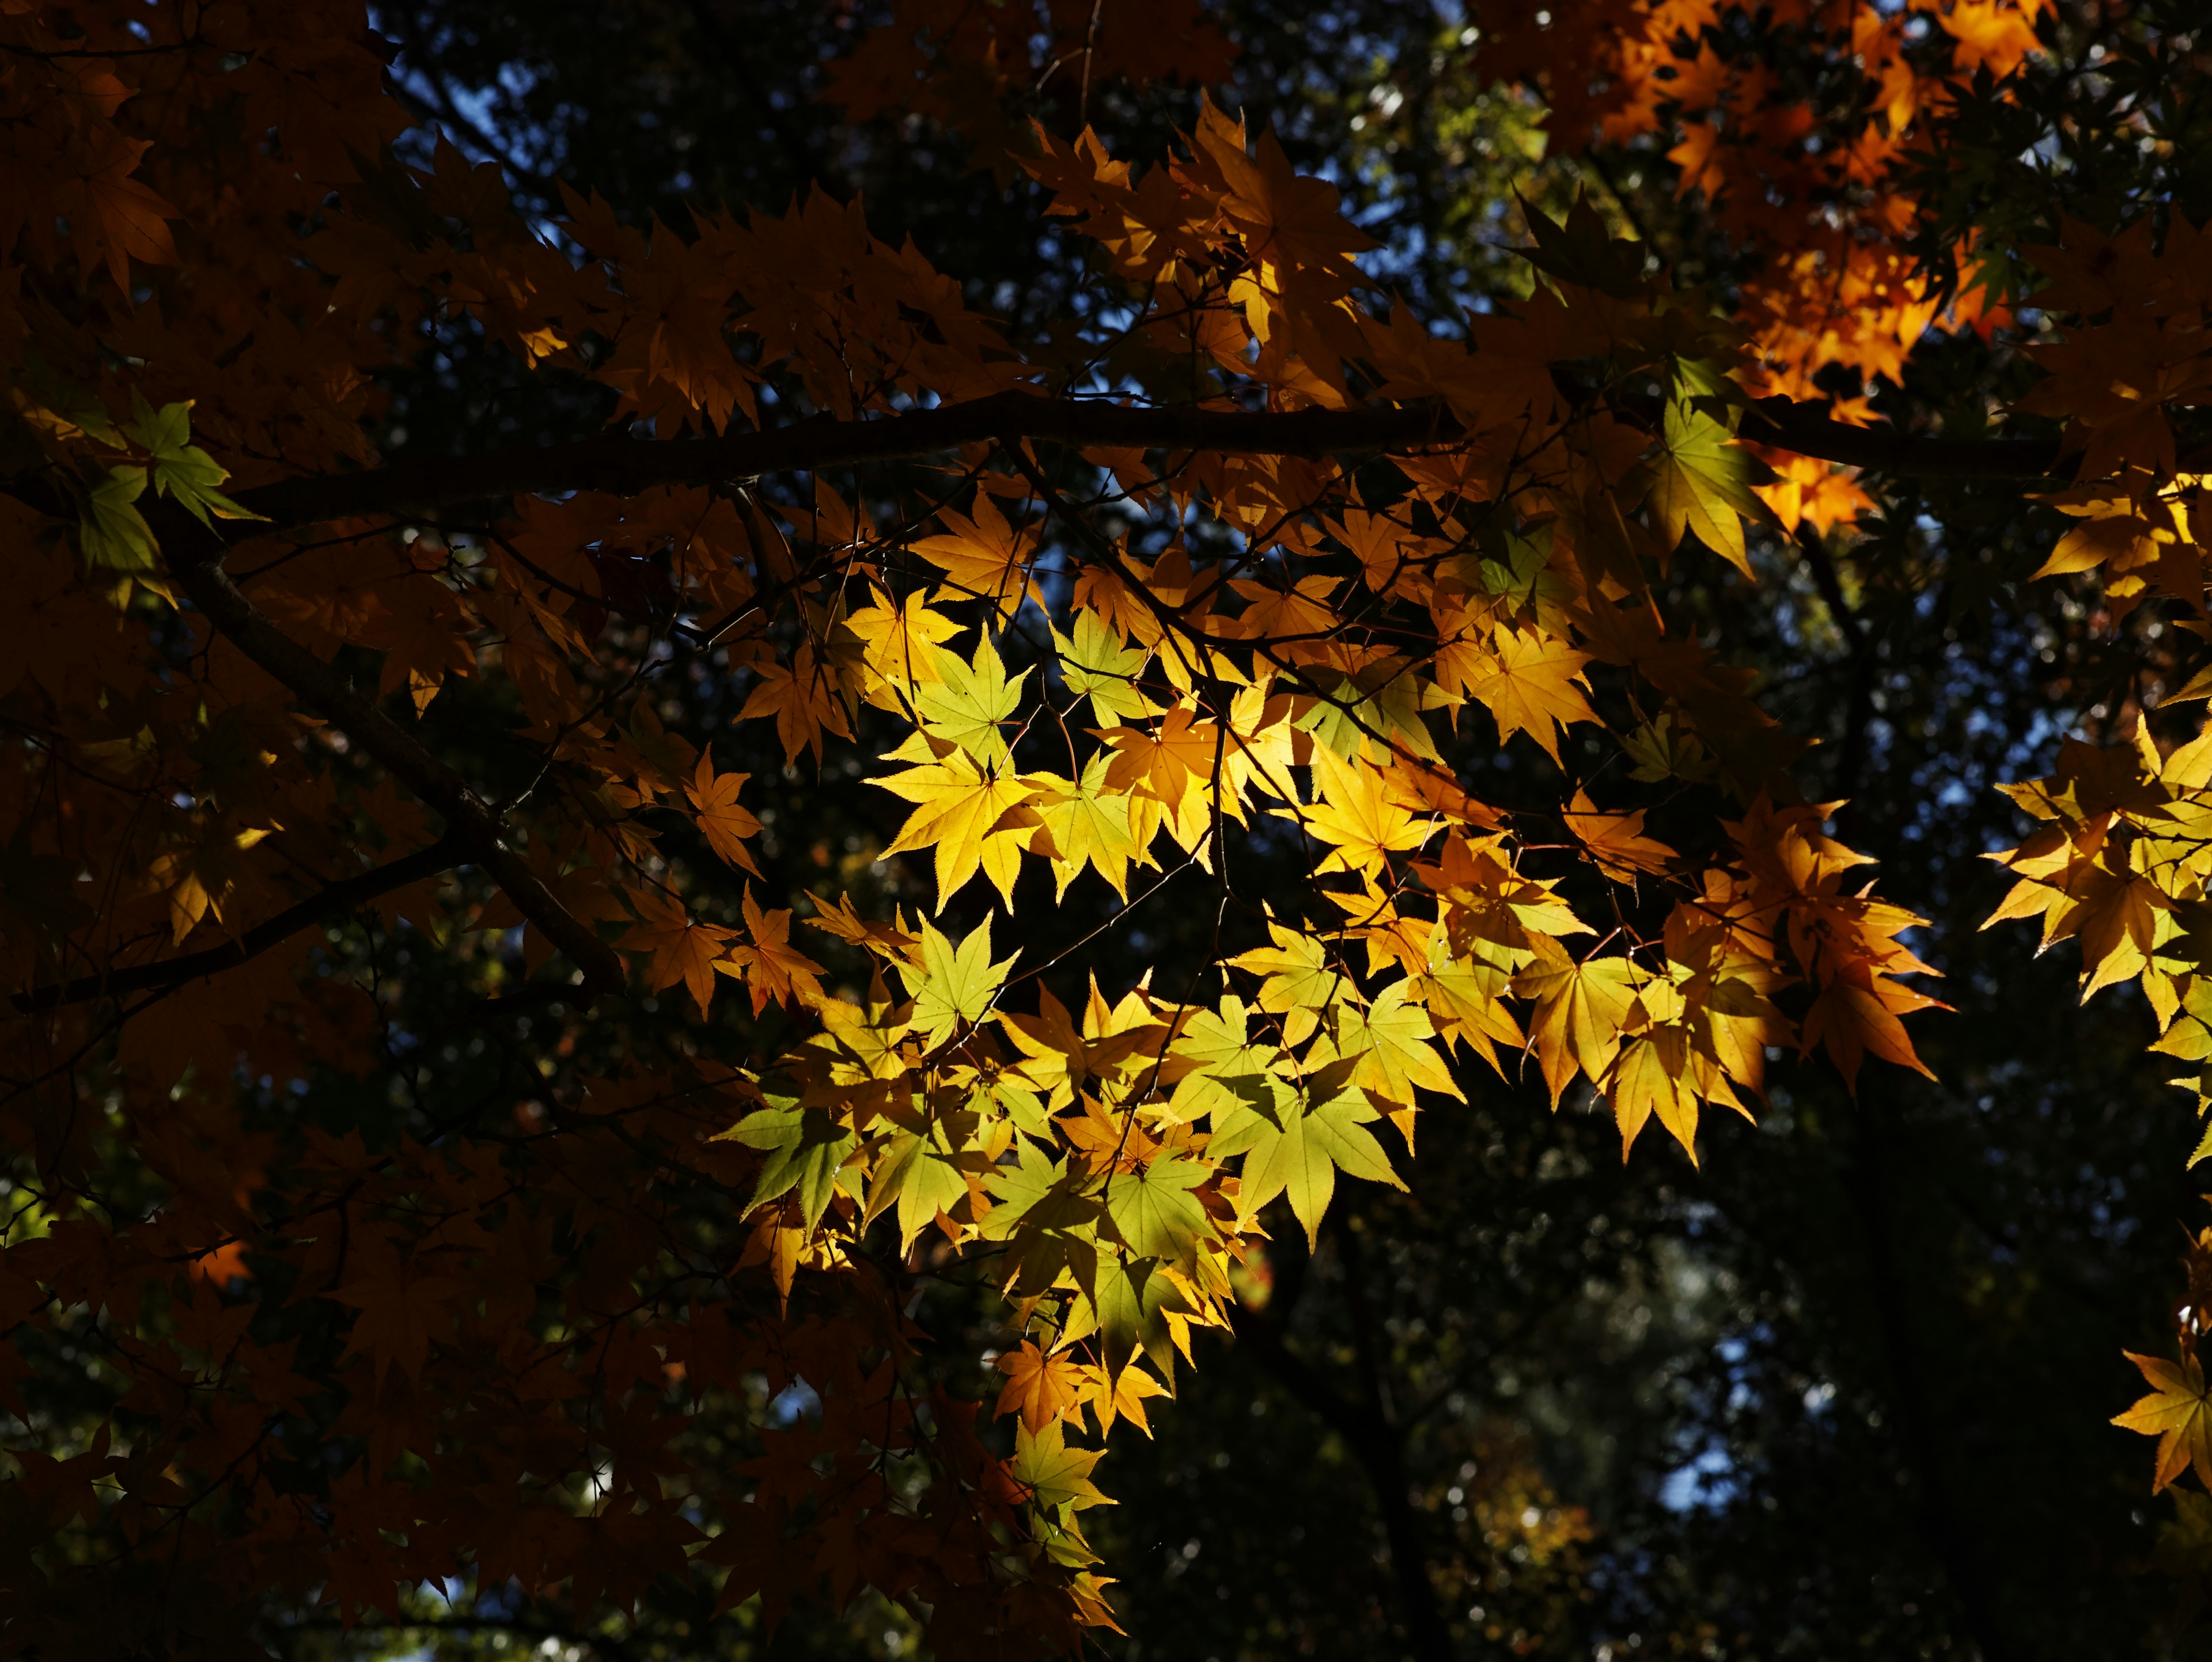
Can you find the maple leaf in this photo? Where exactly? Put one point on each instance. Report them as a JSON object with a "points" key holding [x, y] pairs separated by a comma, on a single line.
{"points": [[113, 536], [1121, 1396], [967, 703], [1702, 480], [1616, 841], [976, 821], [803, 699], [181, 469], [1580, 1008], [1651, 1076], [399, 1316], [1359, 816], [1055, 1476], [683, 950], [1041, 1388], [722, 821], [1086, 824], [1294, 1143], [1134, 1302], [1215, 1063], [805, 1146], [1153, 1212], [775, 970], [1097, 664], [953, 985], [1851, 1018], [983, 557], [1391, 1046], [2179, 1413], [900, 647], [1529, 686], [1297, 970]]}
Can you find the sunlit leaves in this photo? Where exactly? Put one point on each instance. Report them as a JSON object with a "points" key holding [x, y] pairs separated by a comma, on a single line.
{"points": [[969, 703], [955, 983], [1152, 1209], [1096, 663], [1701, 483], [1252, 677], [805, 1146], [181, 469], [1295, 1142], [1529, 683], [2178, 1411]]}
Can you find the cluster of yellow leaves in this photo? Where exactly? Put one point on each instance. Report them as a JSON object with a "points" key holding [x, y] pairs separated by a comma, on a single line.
{"points": [[2138, 353], [2122, 858], [2121, 864], [1260, 651]]}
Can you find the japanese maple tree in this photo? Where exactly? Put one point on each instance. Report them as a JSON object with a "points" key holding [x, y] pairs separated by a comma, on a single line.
{"points": [[1217, 588]]}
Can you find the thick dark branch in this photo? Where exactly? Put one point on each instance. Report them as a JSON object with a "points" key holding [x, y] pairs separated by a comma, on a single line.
{"points": [[622, 467], [470, 823], [333, 900], [1783, 424]]}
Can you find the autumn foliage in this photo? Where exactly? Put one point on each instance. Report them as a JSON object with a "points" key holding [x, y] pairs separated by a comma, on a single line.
{"points": [[1244, 565]]}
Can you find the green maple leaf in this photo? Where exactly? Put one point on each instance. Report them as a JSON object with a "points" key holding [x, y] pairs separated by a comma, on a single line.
{"points": [[954, 983], [1295, 1143], [1221, 1060], [805, 1146], [1701, 481], [1389, 1046], [1100, 666], [1154, 1212], [181, 468], [1087, 823], [112, 534], [1132, 1300], [1048, 1220], [1383, 700], [921, 1171], [966, 707], [1055, 1475]]}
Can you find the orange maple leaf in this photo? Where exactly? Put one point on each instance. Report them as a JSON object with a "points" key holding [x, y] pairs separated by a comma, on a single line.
{"points": [[773, 968], [682, 950], [1042, 1388], [722, 821]]}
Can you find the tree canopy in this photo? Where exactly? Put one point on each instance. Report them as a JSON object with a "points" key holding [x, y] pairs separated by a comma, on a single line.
{"points": [[835, 828]]}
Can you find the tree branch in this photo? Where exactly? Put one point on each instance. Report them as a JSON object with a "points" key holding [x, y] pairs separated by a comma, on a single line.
{"points": [[1379, 1444], [333, 900], [623, 467], [471, 825]]}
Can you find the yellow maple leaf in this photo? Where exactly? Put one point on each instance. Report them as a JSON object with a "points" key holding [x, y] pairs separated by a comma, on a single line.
{"points": [[974, 820], [1616, 841], [1529, 686], [984, 556], [2176, 1413], [1359, 816], [1580, 1009], [1085, 822]]}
